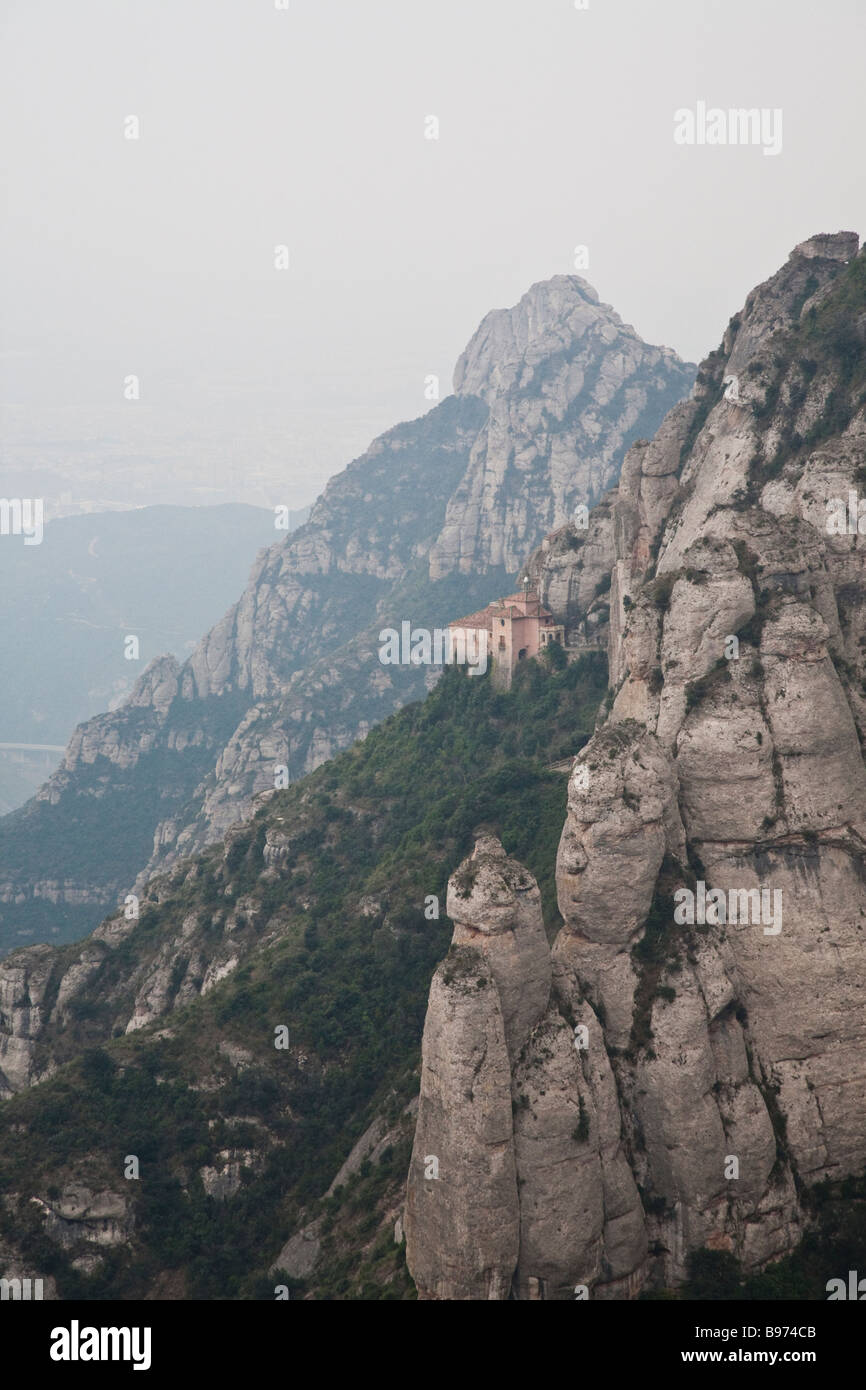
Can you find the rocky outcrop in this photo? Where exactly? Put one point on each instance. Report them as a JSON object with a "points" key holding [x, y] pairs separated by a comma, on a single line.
{"points": [[461, 1218], [675, 1024], [518, 1176], [48, 995], [24, 981], [571, 573], [81, 1215], [223, 1178], [756, 703], [720, 1067], [495, 906]]}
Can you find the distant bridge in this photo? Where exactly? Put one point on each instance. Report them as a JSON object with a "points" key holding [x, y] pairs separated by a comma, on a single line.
{"points": [[32, 747]]}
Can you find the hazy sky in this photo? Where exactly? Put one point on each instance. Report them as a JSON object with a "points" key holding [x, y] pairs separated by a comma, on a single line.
{"points": [[306, 127]]}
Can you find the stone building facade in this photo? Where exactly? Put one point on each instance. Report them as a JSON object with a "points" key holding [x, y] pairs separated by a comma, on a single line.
{"points": [[514, 628]]}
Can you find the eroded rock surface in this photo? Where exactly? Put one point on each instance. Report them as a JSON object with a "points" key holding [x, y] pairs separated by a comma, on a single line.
{"points": [[720, 1066]]}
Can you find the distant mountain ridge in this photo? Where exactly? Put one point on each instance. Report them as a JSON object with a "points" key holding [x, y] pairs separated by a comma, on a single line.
{"points": [[163, 574], [430, 522]]}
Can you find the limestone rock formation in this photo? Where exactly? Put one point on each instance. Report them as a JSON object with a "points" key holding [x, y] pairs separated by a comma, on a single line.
{"points": [[495, 906], [571, 571], [721, 1059], [568, 385], [519, 1110], [461, 1218]]}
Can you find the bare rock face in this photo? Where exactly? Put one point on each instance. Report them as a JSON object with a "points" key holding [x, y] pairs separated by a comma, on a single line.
{"points": [[732, 613], [462, 1222], [566, 383], [622, 818], [495, 906], [571, 572], [80, 1214], [463, 1217], [710, 874], [535, 1198], [24, 980], [223, 1179], [562, 1212]]}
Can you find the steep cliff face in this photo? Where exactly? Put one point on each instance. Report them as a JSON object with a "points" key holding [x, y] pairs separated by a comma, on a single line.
{"points": [[571, 573], [568, 386], [428, 524], [724, 1056]]}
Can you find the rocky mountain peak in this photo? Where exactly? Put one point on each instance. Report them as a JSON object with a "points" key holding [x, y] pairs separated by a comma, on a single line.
{"points": [[831, 246], [569, 386], [552, 316], [786, 295], [549, 395]]}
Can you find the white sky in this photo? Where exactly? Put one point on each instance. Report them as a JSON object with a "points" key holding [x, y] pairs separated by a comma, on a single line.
{"points": [[306, 127]]}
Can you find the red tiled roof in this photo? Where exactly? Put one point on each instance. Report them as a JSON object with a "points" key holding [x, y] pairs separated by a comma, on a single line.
{"points": [[479, 619], [514, 605]]}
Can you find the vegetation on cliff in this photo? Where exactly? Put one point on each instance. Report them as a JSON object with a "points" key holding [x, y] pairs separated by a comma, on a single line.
{"points": [[342, 957]]}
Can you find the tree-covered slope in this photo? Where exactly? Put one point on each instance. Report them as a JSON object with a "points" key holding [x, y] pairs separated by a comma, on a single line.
{"points": [[316, 911]]}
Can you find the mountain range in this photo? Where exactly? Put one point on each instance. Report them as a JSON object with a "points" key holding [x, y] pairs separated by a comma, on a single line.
{"points": [[448, 1017], [430, 523]]}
